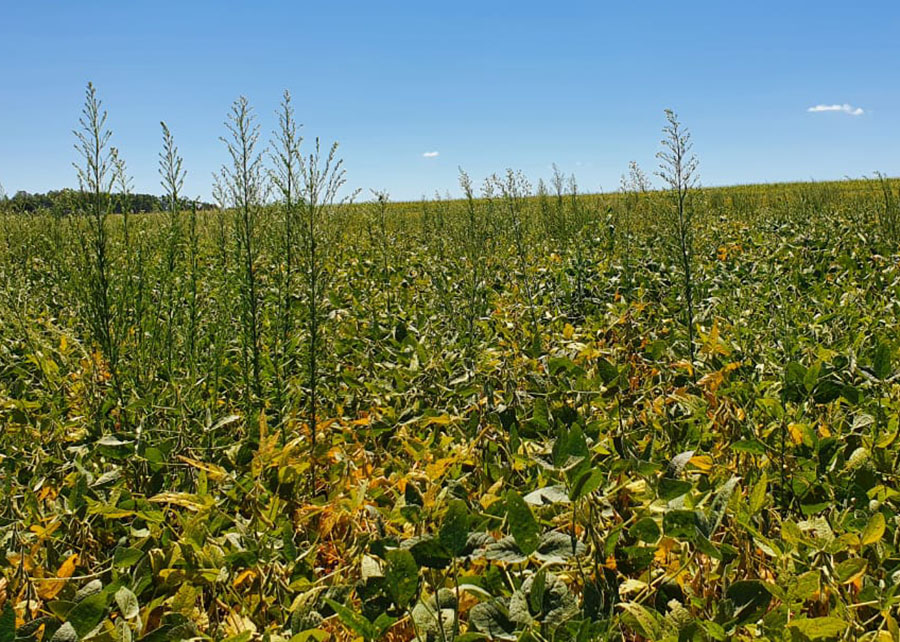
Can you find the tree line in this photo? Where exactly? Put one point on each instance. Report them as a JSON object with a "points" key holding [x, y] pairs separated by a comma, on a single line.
{"points": [[68, 201]]}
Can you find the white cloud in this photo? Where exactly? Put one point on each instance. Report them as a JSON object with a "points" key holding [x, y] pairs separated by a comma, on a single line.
{"points": [[430, 154], [845, 108]]}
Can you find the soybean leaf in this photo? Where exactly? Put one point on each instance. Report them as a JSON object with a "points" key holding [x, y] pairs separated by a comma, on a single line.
{"points": [[874, 530], [402, 575], [492, 617], [750, 599], [819, 627], [642, 620], [7, 623], [646, 530], [353, 620], [127, 603], [455, 529], [88, 613], [557, 547], [522, 524], [505, 550]]}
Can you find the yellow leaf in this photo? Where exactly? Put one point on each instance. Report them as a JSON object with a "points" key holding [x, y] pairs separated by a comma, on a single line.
{"points": [[185, 500], [47, 492], [441, 420], [712, 381], [244, 577], [666, 545], [703, 462], [568, 331], [216, 473], [711, 343], [874, 530], [263, 432], [684, 364], [48, 589], [796, 432], [235, 624], [436, 470], [44, 532]]}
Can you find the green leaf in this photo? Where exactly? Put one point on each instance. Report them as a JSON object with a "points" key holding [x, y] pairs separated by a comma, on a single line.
{"points": [[720, 502], [571, 453], [680, 524], [646, 530], [412, 495], [874, 530], [505, 550], [706, 547], [557, 547], [318, 635], [123, 631], [819, 627], [88, 613], [382, 623], [643, 620], [548, 495], [750, 599], [8, 623], [881, 360], [455, 528], [536, 596], [125, 557], [353, 620], [431, 553], [669, 489], [588, 482], [607, 371], [127, 603], [751, 446], [715, 631], [791, 533], [492, 618], [758, 494], [402, 575], [805, 585], [522, 524], [850, 569], [545, 597], [65, 633]]}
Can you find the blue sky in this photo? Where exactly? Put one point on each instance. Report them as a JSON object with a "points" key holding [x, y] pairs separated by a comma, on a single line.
{"points": [[486, 85]]}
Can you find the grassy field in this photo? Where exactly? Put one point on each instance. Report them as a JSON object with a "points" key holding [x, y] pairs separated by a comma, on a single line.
{"points": [[527, 414]]}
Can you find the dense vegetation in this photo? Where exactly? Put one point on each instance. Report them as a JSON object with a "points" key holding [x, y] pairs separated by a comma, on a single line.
{"points": [[527, 414], [65, 202]]}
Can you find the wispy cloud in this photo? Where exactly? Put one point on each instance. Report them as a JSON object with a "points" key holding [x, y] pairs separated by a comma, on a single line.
{"points": [[845, 108], [431, 154]]}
